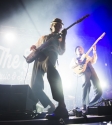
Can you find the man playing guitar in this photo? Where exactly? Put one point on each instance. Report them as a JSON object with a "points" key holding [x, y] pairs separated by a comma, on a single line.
{"points": [[45, 54], [45, 63], [83, 65]]}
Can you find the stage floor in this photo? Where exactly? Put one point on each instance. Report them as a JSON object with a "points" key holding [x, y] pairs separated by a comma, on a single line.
{"points": [[72, 120]]}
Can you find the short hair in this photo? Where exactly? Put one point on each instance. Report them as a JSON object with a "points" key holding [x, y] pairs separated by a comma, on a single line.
{"points": [[76, 48]]}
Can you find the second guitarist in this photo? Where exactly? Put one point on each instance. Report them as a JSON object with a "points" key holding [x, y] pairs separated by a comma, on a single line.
{"points": [[84, 66]]}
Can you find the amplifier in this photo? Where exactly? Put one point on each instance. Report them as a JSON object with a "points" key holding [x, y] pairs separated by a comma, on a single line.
{"points": [[15, 98], [100, 110]]}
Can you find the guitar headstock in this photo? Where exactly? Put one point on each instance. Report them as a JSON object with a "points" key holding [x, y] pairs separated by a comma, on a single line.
{"points": [[78, 21], [102, 35]]}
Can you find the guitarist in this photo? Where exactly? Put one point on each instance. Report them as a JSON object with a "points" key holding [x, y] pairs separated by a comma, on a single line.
{"points": [[88, 75], [46, 64]]}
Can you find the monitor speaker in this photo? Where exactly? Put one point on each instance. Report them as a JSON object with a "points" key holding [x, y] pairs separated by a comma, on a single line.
{"points": [[16, 98]]}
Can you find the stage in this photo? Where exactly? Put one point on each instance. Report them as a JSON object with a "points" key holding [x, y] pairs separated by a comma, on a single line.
{"points": [[17, 106], [22, 23], [72, 120]]}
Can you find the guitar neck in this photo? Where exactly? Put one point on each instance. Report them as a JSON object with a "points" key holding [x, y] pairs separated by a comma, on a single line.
{"points": [[87, 53], [78, 21]]}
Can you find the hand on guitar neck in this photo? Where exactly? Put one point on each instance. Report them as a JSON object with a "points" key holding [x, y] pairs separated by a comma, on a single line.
{"points": [[33, 48], [94, 48]]}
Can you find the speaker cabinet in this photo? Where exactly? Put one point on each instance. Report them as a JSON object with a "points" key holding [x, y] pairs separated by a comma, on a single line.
{"points": [[100, 110], [15, 98]]}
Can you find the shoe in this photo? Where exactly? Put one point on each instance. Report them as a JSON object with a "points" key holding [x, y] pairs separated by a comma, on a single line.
{"points": [[83, 107], [59, 112], [71, 113], [85, 112], [50, 110]]}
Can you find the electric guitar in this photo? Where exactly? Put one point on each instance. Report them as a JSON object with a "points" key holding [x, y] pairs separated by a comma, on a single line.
{"points": [[80, 68], [35, 54]]}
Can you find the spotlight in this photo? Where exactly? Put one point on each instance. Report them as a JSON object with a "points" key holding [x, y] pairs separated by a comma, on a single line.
{"points": [[9, 36], [105, 64], [104, 84]]}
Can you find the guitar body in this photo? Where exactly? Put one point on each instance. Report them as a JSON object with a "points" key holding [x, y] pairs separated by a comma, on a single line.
{"points": [[32, 56], [36, 55], [79, 69], [40, 50]]}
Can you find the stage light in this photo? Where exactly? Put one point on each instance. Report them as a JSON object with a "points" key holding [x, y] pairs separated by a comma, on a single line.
{"points": [[105, 64], [64, 76], [66, 83], [66, 87], [103, 84], [10, 36]]}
